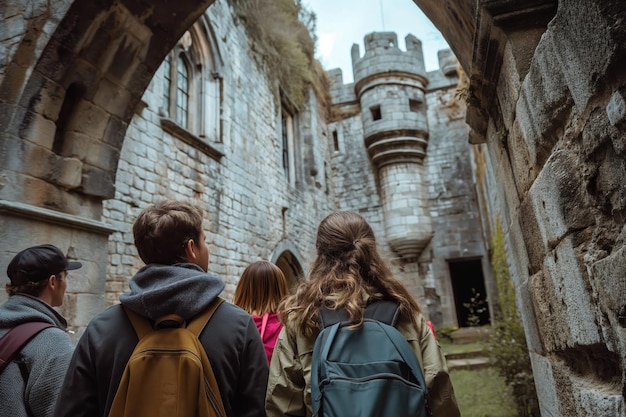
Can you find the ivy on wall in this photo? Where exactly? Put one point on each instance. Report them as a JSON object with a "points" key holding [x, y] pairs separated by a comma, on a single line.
{"points": [[282, 33], [507, 345]]}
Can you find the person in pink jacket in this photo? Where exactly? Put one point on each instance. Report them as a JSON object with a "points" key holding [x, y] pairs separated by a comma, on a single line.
{"points": [[260, 289]]}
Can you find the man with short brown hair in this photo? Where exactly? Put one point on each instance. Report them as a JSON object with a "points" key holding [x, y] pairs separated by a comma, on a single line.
{"points": [[171, 241]]}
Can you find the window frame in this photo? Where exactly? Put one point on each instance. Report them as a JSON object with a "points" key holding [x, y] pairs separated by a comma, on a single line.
{"points": [[200, 124]]}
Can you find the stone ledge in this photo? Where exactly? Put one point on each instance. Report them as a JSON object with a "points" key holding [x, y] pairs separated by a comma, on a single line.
{"points": [[214, 150], [54, 217]]}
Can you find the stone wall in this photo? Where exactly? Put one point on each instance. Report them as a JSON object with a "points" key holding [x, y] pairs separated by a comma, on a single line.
{"points": [[555, 170], [458, 235], [250, 207], [545, 106]]}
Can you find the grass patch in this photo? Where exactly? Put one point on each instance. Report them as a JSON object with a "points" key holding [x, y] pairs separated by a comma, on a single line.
{"points": [[482, 393]]}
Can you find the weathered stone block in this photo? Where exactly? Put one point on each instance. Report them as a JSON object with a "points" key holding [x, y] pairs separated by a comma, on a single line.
{"points": [[112, 97], [97, 182], [93, 121], [570, 281], [87, 307], [545, 385], [616, 108], [607, 281], [38, 129], [587, 41], [67, 172], [559, 198], [544, 101]]}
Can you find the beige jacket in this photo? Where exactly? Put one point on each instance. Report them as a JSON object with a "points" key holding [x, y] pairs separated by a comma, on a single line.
{"points": [[289, 386]]}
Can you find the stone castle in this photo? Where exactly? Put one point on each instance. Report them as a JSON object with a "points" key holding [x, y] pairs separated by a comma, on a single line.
{"points": [[108, 107]]}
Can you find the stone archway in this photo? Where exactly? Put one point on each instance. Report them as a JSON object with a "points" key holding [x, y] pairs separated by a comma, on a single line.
{"points": [[547, 96], [290, 266], [287, 257], [71, 78]]}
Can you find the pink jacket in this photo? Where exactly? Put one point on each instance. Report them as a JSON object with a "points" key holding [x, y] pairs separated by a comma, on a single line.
{"points": [[270, 333]]}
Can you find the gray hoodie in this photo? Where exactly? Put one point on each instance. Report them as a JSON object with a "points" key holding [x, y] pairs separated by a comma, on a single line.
{"points": [[45, 359], [183, 289]]}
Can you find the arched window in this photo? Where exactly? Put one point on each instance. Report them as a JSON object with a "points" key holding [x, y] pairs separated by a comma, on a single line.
{"points": [[191, 77]]}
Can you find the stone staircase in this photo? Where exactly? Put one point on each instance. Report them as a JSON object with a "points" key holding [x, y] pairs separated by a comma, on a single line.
{"points": [[467, 360], [472, 359]]}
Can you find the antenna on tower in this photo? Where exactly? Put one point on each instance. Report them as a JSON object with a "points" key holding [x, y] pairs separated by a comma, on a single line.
{"points": [[382, 14]]}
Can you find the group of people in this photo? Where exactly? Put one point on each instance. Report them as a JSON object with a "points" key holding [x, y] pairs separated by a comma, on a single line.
{"points": [[260, 346]]}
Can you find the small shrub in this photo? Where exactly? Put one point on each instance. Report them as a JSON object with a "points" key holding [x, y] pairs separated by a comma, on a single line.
{"points": [[476, 309]]}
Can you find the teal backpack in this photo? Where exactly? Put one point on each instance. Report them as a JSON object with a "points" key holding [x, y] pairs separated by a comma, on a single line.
{"points": [[370, 371]]}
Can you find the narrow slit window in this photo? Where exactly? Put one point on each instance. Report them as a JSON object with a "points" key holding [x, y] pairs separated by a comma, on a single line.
{"points": [[376, 114], [335, 140], [415, 106]]}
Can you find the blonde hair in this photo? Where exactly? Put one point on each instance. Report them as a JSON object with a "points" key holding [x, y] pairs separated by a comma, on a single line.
{"points": [[261, 288], [347, 263]]}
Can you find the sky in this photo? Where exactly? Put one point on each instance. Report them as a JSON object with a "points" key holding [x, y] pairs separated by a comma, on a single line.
{"points": [[342, 23]]}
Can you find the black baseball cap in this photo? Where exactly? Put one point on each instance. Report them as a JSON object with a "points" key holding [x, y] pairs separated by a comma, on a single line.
{"points": [[38, 263]]}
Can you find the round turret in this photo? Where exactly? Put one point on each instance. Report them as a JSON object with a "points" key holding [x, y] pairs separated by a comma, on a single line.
{"points": [[383, 55], [390, 86]]}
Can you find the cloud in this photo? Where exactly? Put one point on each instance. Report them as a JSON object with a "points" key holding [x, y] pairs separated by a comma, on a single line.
{"points": [[326, 45]]}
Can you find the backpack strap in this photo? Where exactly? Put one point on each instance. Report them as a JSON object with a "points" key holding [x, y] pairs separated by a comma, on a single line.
{"points": [[16, 338], [196, 326], [385, 311], [199, 322], [328, 317], [143, 326]]}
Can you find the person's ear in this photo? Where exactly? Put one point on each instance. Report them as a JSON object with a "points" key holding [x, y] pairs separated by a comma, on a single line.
{"points": [[190, 250], [52, 281]]}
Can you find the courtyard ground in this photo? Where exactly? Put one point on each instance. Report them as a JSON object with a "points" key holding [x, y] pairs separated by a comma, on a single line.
{"points": [[479, 390]]}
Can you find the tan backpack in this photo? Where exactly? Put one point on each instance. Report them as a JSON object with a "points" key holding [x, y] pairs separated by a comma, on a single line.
{"points": [[168, 373]]}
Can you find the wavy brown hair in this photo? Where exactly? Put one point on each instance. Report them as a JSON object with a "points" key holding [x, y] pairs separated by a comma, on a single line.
{"points": [[261, 288], [346, 264]]}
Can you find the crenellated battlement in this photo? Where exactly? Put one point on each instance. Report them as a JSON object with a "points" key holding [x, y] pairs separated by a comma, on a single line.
{"points": [[383, 55]]}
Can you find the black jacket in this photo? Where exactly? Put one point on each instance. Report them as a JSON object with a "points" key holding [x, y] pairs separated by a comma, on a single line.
{"points": [[231, 340]]}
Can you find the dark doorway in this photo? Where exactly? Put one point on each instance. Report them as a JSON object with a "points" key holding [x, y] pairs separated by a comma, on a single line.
{"points": [[291, 268], [470, 296]]}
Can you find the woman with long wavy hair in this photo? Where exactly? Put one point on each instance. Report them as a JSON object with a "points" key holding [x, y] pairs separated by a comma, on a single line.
{"points": [[348, 273]]}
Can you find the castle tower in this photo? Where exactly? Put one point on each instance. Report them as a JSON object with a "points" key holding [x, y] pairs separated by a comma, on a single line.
{"points": [[390, 86]]}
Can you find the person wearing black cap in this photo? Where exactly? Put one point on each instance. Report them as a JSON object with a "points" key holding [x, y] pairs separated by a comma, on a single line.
{"points": [[30, 383]]}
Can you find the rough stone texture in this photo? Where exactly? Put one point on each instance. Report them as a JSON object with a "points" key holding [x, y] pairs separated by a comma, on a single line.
{"points": [[558, 172], [244, 194], [453, 208], [545, 97]]}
